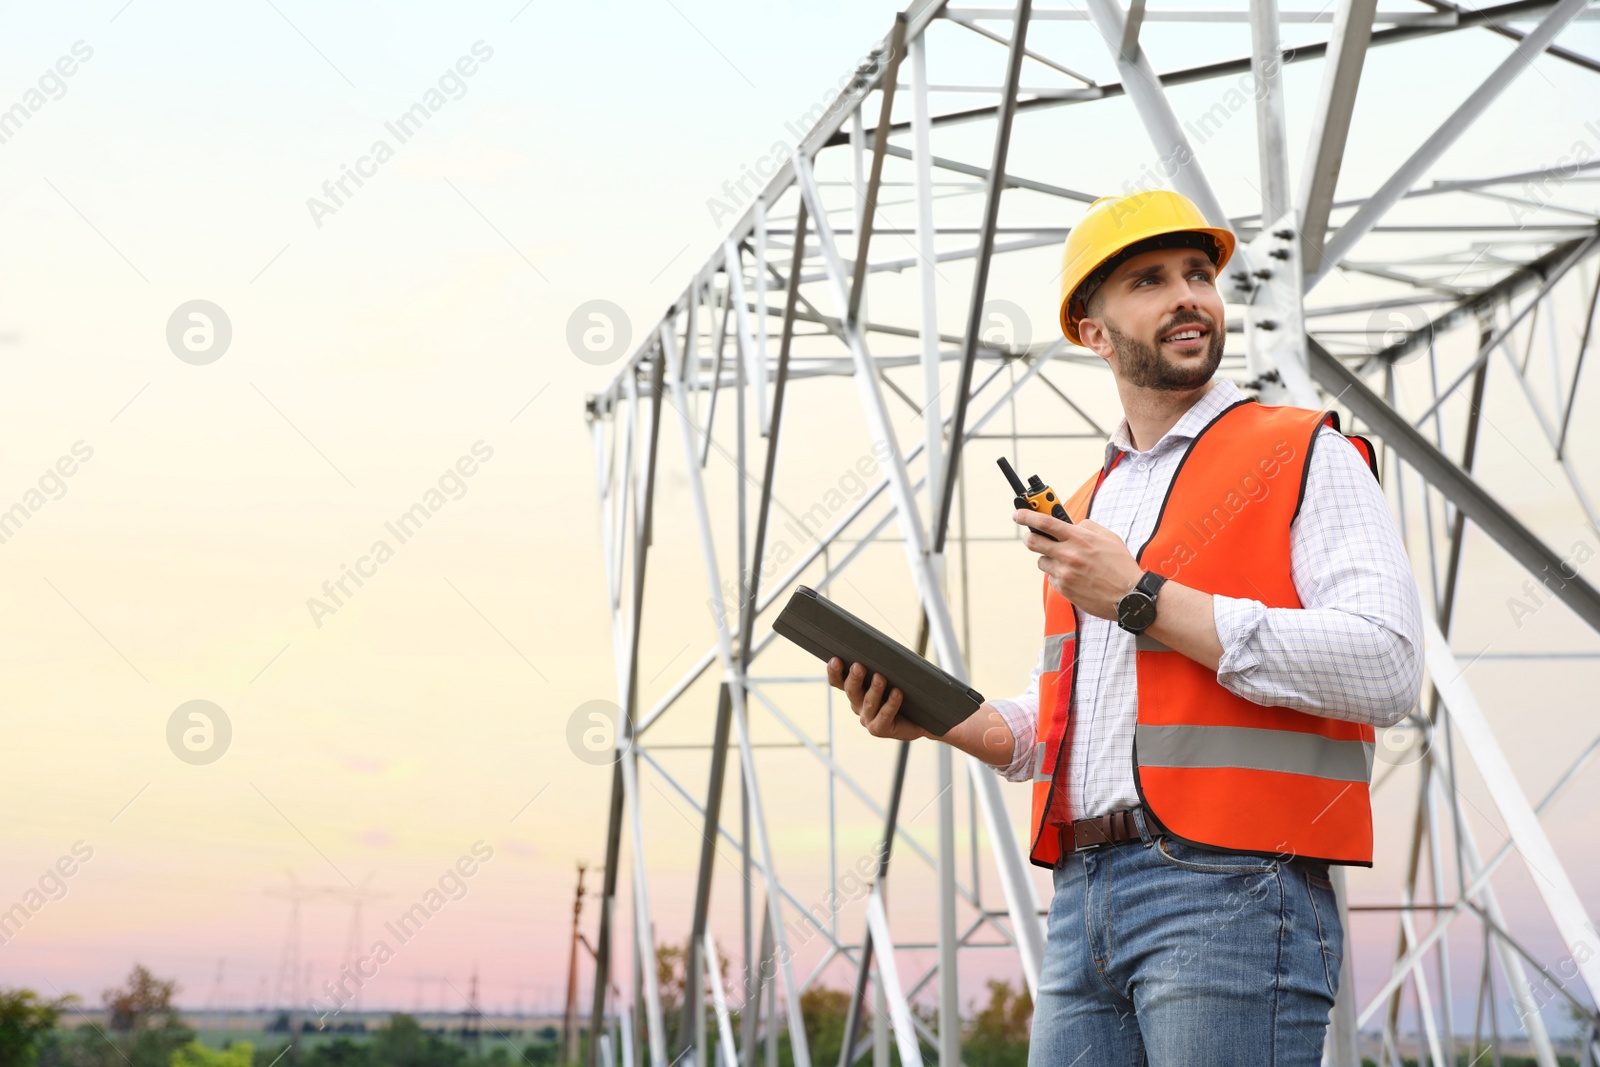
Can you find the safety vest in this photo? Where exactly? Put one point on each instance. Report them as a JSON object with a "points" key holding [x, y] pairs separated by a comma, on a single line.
{"points": [[1212, 768]]}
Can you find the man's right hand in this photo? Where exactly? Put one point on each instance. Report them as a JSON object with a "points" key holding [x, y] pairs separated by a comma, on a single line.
{"points": [[879, 715]]}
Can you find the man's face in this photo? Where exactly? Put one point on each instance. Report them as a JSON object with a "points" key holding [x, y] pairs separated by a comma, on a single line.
{"points": [[1159, 320]]}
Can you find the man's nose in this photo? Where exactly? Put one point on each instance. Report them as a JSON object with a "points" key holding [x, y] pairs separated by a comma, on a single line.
{"points": [[1188, 297]]}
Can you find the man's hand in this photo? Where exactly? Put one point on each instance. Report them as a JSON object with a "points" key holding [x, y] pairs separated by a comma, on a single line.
{"points": [[1087, 563], [878, 715]]}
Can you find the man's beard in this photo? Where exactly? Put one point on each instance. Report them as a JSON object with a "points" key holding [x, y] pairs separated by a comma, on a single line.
{"points": [[1143, 364]]}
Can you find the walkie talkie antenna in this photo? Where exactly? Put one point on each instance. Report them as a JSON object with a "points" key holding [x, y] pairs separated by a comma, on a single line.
{"points": [[1011, 476]]}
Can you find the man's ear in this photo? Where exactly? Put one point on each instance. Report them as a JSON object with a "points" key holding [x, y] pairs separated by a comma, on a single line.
{"points": [[1092, 332]]}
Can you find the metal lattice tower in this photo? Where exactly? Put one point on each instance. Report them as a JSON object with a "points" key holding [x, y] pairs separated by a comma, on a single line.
{"points": [[739, 381]]}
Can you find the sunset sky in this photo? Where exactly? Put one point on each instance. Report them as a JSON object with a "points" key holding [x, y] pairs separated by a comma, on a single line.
{"points": [[397, 372]]}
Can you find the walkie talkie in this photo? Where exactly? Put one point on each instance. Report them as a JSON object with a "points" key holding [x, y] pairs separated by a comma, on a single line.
{"points": [[1035, 496]]}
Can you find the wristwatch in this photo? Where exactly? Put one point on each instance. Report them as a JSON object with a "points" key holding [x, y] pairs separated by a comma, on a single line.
{"points": [[1137, 608]]}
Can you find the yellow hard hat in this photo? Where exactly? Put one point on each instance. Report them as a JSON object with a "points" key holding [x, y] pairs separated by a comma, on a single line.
{"points": [[1116, 228]]}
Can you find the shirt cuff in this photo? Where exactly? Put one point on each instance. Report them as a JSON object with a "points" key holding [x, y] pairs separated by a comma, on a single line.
{"points": [[1237, 620], [1023, 729]]}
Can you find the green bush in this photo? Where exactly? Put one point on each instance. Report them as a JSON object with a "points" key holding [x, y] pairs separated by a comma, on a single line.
{"points": [[25, 1021], [194, 1054], [144, 1029]]}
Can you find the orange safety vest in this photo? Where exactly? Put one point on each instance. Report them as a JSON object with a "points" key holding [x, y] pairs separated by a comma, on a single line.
{"points": [[1212, 768]]}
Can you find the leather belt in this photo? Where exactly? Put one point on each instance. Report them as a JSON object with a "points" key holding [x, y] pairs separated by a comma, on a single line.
{"points": [[1112, 828]]}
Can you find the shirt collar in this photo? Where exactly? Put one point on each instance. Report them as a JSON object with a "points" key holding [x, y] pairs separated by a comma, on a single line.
{"points": [[1222, 395]]}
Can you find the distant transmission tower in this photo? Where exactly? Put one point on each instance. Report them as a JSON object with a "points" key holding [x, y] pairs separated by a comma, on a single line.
{"points": [[354, 935], [472, 1016], [214, 997], [569, 1021]]}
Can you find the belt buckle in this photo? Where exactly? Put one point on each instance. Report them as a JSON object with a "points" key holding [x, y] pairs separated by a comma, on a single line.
{"points": [[1076, 848]]}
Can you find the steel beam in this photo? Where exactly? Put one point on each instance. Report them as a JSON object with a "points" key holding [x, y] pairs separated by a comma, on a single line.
{"points": [[1576, 58], [1482, 508], [719, 1002], [1571, 260], [1378, 204], [629, 690], [1038, 57], [980, 277], [1130, 29], [1143, 86], [797, 1034], [1522, 822], [927, 269], [905, 1034], [1577, 367], [1012, 181], [1534, 273], [927, 274], [891, 821], [1330, 131], [869, 210], [748, 355], [1275, 323], [643, 926], [691, 1030]]}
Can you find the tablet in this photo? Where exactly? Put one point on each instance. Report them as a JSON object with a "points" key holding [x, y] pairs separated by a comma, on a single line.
{"points": [[930, 697]]}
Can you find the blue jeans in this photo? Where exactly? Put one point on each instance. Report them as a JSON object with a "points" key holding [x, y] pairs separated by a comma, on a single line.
{"points": [[1161, 953]]}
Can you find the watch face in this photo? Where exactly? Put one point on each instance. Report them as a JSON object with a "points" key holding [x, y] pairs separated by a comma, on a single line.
{"points": [[1136, 610]]}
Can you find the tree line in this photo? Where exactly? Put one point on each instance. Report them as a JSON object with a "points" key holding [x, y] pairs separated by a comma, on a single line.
{"points": [[144, 1028]]}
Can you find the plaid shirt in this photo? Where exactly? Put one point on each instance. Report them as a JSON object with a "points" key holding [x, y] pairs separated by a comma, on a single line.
{"points": [[1353, 651]]}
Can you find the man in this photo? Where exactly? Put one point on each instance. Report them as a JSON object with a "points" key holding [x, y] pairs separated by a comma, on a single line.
{"points": [[1228, 617]]}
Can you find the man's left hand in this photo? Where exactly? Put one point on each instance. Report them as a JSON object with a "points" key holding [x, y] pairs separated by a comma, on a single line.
{"points": [[1087, 563]]}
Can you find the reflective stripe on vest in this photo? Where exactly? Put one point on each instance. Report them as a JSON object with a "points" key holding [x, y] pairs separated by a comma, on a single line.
{"points": [[1049, 663], [1050, 655], [1255, 750], [1146, 643]]}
